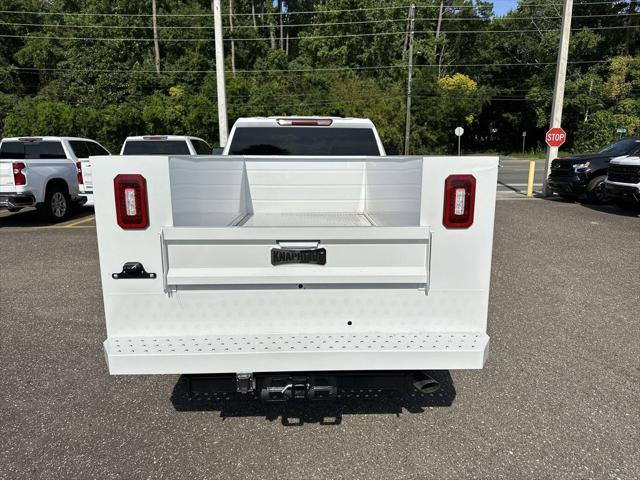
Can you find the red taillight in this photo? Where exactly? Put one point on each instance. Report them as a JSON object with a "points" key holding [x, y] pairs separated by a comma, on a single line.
{"points": [[19, 177], [79, 173], [131, 201], [459, 201]]}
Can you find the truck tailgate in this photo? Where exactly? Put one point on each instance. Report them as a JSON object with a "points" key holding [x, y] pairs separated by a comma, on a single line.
{"points": [[6, 177], [87, 176], [249, 255]]}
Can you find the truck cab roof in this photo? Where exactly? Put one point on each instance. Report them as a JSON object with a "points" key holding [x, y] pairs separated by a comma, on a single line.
{"points": [[161, 137], [44, 139], [313, 120], [304, 136], [165, 145]]}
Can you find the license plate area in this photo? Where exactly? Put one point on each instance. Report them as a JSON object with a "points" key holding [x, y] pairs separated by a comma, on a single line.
{"points": [[288, 256]]}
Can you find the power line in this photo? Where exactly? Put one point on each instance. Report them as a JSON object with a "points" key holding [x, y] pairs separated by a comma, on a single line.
{"points": [[364, 22], [400, 7], [305, 70], [463, 32], [71, 14], [309, 37]]}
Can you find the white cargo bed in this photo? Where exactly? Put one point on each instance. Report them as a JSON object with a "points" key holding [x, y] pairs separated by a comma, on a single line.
{"points": [[397, 289], [306, 219]]}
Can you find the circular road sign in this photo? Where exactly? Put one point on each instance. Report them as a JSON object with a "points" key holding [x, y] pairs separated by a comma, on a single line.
{"points": [[555, 137], [459, 131]]}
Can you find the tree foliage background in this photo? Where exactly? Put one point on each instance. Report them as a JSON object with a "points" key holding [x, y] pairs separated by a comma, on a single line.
{"points": [[86, 68]]}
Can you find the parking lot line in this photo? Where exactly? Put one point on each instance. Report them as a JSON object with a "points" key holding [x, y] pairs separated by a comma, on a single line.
{"points": [[86, 219]]}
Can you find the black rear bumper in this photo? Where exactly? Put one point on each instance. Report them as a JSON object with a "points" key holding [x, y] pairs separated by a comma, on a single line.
{"points": [[624, 193], [282, 387], [17, 200]]}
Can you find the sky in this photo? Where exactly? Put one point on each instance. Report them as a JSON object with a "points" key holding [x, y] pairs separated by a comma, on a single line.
{"points": [[500, 7]]}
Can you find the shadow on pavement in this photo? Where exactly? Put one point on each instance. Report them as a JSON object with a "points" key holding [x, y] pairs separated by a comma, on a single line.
{"points": [[512, 188], [324, 412], [625, 211], [29, 217]]}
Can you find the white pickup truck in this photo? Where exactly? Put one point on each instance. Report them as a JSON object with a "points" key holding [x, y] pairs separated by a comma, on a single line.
{"points": [[623, 180], [44, 172], [146, 145], [309, 136], [285, 274], [165, 145]]}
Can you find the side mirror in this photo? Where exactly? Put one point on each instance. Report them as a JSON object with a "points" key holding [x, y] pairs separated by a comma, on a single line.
{"points": [[217, 150]]}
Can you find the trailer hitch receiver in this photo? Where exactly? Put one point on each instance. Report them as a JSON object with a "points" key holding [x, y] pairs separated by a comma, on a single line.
{"points": [[281, 388], [245, 382]]}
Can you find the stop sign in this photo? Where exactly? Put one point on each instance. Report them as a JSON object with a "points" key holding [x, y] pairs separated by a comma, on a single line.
{"points": [[556, 137]]}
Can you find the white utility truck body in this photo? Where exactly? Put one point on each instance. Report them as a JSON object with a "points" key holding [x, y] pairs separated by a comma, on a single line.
{"points": [[245, 264]]}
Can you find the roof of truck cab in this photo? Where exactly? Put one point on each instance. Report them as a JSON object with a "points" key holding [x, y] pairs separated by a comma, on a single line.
{"points": [[47, 138], [163, 137], [335, 121]]}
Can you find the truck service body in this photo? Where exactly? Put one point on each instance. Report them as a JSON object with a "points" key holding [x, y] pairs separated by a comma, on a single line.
{"points": [[294, 265]]}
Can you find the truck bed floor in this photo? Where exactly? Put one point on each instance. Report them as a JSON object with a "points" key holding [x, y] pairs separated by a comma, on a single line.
{"points": [[306, 219]]}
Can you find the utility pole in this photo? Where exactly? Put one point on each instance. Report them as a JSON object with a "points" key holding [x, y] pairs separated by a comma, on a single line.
{"points": [[156, 43], [558, 89], [222, 96], [281, 25], [406, 34], [233, 46], [253, 14], [629, 43], [439, 24], [407, 124]]}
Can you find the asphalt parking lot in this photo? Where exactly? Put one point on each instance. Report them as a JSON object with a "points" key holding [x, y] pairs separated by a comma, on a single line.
{"points": [[558, 398]]}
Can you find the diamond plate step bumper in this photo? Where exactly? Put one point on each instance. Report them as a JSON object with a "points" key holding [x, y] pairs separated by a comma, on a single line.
{"points": [[289, 353]]}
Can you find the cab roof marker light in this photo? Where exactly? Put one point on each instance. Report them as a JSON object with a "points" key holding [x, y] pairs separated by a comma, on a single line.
{"points": [[305, 122]]}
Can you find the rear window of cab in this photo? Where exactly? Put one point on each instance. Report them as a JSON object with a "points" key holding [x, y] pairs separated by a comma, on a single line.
{"points": [[156, 147], [15, 149], [303, 141]]}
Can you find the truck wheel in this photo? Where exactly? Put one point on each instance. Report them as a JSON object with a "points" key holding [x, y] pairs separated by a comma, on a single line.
{"points": [[57, 204], [596, 192]]}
